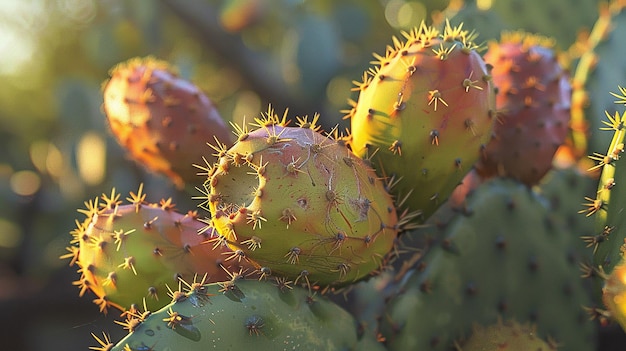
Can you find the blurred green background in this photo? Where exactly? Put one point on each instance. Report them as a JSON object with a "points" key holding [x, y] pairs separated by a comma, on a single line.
{"points": [[56, 151]]}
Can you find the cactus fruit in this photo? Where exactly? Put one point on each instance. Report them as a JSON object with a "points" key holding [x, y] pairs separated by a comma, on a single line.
{"points": [[607, 208], [160, 118], [504, 257], [127, 252], [241, 315], [533, 103], [506, 336], [300, 203], [424, 112]]}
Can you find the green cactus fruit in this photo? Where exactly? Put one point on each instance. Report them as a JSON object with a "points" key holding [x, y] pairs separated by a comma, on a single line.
{"points": [[301, 204], [533, 101], [160, 118], [128, 252], [424, 112], [504, 257], [242, 315], [506, 336]]}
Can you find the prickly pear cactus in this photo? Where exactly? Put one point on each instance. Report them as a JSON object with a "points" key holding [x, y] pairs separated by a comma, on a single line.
{"points": [[506, 336], [608, 239], [128, 252], [161, 119], [300, 204], [424, 112], [240, 315], [503, 257], [533, 103], [608, 205]]}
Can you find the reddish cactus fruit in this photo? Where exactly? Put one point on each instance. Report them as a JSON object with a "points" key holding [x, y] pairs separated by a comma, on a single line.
{"points": [[160, 118], [424, 112], [533, 101], [301, 204], [128, 252]]}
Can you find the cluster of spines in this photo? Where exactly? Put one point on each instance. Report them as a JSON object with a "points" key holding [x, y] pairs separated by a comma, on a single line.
{"points": [[422, 35], [598, 206], [607, 241], [96, 208]]}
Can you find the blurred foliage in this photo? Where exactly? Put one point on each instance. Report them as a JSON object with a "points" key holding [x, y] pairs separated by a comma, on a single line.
{"points": [[245, 54]]}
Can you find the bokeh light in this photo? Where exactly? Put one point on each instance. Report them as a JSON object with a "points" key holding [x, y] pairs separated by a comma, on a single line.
{"points": [[25, 183], [91, 158]]}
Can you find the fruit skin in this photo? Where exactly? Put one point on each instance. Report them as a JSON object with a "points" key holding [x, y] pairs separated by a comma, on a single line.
{"points": [[506, 336], [161, 119], [245, 314], [423, 114], [533, 103], [506, 256], [128, 252], [301, 204]]}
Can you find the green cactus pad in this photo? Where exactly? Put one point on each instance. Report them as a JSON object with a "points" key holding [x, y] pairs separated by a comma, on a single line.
{"points": [[242, 315], [424, 112], [301, 204], [504, 256], [130, 252], [608, 205]]}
